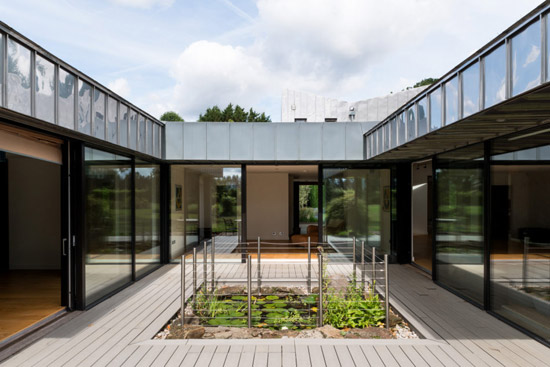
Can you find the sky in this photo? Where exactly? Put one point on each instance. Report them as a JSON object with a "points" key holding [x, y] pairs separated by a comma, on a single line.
{"points": [[187, 55]]}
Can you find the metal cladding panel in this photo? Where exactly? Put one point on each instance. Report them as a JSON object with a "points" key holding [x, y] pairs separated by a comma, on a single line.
{"points": [[354, 142], [311, 137], [194, 141], [174, 140], [334, 142], [287, 141], [241, 141], [217, 143], [264, 141]]}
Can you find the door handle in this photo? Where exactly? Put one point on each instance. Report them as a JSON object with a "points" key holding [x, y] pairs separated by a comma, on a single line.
{"points": [[64, 250]]}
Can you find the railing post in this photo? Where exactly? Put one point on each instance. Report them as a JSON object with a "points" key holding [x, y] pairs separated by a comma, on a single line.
{"points": [[525, 260], [320, 300], [309, 265], [205, 266], [259, 267], [387, 290], [249, 289], [373, 278], [354, 259], [194, 275], [363, 265], [212, 255], [182, 290]]}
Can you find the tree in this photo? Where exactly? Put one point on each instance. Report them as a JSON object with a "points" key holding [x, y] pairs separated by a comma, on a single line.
{"points": [[170, 116], [232, 114], [426, 81]]}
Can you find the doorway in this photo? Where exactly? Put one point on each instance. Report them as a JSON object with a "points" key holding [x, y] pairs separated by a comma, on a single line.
{"points": [[422, 214]]}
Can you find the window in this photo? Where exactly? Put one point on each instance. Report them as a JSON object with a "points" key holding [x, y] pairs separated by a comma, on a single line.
{"points": [[451, 101], [526, 60], [19, 78], [99, 114], [495, 76], [84, 107], [66, 99], [112, 117], [422, 115], [470, 90], [331, 119], [45, 89], [300, 120]]}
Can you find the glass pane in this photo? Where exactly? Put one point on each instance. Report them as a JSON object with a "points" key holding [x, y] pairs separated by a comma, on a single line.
{"points": [[191, 222], [386, 136], [422, 111], [357, 203], [393, 128], [401, 121], [112, 124], [19, 78], [435, 109], [149, 137], [66, 99], [495, 77], [99, 114], [108, 226], [379, 142], [156, 133], [123, 126], [141, 137], [459, 221], [133, 129], [45, 89], [147, 196], [470, 90], [1, 67], [411, 124], [451, 101], [526, 61], [84, 107]]}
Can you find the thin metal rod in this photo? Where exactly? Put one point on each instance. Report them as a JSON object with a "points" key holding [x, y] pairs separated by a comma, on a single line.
{"points": [[373, 278], [194, 275], [249, 289], [212, 255], [387, 290], [320, 300], [354, 259], [259, 267], [363, 265], [309, 265], [182, 290], [205, 266]]}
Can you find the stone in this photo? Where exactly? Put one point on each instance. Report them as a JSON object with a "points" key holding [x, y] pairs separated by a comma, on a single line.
{"points": [[193, 332], [310, 334], [230, 290], [369, 333], [331, 332]]}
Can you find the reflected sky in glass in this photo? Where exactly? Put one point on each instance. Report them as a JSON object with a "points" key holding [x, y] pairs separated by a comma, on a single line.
{"points": [[470, 90], [526, 59]]}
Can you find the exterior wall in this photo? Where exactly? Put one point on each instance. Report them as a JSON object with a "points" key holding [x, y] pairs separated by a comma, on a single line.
{"points": [[265, 142], [303, 105]]}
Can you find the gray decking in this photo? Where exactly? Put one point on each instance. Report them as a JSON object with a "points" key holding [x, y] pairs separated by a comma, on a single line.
{"points": [[118, 333]]}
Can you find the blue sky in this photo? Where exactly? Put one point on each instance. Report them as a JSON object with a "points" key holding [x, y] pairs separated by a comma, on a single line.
{"points": [[189, 55]]}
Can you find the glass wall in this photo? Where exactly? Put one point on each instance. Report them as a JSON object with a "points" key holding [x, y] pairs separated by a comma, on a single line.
{"points": [[65, 105], [422, 115], [45, 89], [147, 202], [411, 123], [99, 114], [495, 76], [205, 202], [84, 107], [470, 90], [435, 109], [356, 203], [393, 128], [526, 59], [112, 117], [1, 67], [401, 122], [19, 78], [133, 129], [451, 101], [459, 221], [123, 126], [108, 227]]}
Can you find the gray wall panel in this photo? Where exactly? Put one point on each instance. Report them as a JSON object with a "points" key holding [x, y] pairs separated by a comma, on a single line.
{"points": [[354, 142], [217, 143], [194, 141], [174, 140], [264, 141], [241, 141], [310, 142], [334, 142], [287, 142]]}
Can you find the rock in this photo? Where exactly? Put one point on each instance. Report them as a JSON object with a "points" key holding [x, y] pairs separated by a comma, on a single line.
{"points": [[369, 333], [271, 334], [331, 332], [395, 320], [310, 334], [222, 335], [230, 290], [193, 332]]}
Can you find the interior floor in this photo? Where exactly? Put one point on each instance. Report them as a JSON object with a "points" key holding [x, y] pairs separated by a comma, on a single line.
{"points": [[276, 249], [423, 251], [26, 297]]}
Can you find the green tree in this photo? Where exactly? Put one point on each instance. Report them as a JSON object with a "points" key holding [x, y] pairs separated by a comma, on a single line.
{"points": [[232, 114], [170, 116], [426, 81]]}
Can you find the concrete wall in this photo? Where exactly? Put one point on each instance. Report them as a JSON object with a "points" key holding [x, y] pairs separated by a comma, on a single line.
{"points": [[267, 198], [34, 213]]}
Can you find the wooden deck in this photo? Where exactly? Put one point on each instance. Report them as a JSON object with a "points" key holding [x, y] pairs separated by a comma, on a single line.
{"points": [[118, 332]]}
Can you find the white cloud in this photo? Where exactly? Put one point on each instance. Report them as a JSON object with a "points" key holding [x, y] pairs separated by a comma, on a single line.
{"points": [[144, 4], [120, 86]]}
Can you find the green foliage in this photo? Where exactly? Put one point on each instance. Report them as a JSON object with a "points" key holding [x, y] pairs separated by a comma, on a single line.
{"points": [[232, 114], [170, 116], [426, 81]]}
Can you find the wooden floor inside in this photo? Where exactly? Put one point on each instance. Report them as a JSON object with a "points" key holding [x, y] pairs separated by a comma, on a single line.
{"points": [[26, 297]]}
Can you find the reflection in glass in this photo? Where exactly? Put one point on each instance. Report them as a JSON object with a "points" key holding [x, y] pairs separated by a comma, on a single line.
{"points": [[99, 114], [19, 78], [205, 202], [526, 60], [459, 221], [1, 67], [451, 101], [141, 137], [357, 204], [112, 116], [133, 129], [435, 109], [149, 137], [401, 121], [495, 76], [470, 90], [66, 99], [45, 89], [422, 111], [156, 134], [379, 142], [411, 123], [386, 137], [84, 107], [393, 129], [123, 125], [147, 199], [108, 225]]}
